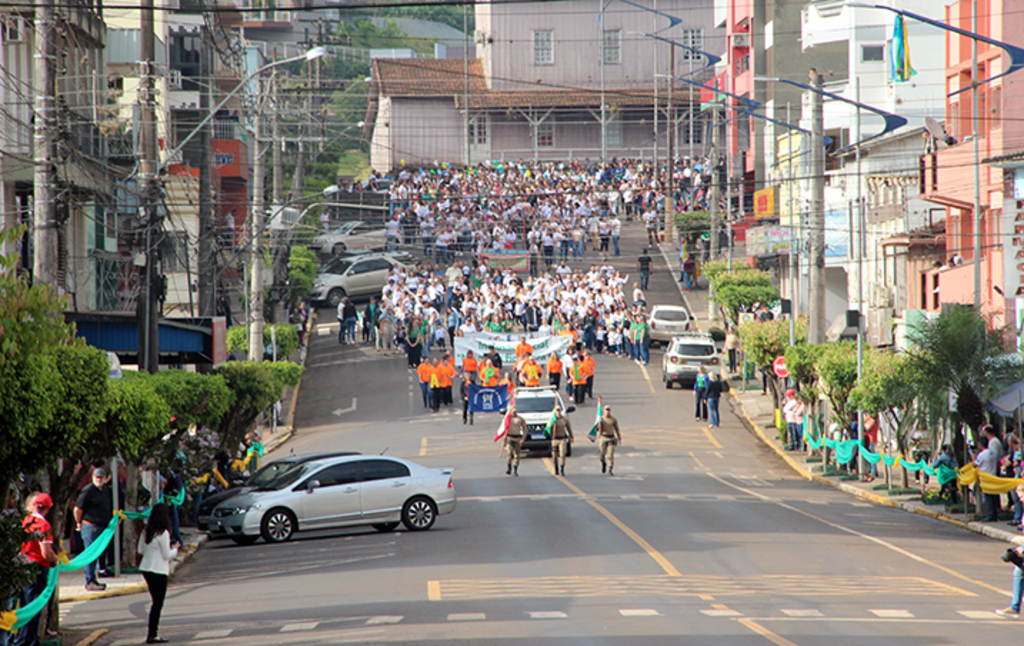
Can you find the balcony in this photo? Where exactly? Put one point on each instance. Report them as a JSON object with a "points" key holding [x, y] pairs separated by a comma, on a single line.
{"points": [[947, 176]]}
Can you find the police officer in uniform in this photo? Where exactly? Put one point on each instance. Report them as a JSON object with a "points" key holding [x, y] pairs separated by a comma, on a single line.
{"points": [[561, 437], [608, 438], [514, 442]]}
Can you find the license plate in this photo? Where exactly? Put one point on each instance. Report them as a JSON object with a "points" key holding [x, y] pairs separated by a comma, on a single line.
{"points": [[694, 363]]}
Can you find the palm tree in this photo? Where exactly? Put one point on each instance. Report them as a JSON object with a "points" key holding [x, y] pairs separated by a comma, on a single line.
{"points": [[960, 353]]}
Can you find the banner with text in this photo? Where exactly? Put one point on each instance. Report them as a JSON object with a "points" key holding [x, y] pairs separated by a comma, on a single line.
{"points": [[505, 344], [488, 400]]}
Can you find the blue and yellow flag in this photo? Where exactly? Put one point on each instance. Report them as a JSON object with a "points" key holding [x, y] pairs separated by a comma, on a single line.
{"points": [[900, 55]]}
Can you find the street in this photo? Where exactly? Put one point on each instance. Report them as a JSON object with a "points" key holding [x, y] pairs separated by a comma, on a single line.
{"points": [[704, 536]]}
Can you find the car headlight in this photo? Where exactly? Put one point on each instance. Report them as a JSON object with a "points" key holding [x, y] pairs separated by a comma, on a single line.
{"points": [[234, 511]]}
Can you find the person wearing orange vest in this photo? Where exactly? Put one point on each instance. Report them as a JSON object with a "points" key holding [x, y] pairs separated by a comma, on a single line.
{"points": [[554, 370], [469, 365], [507, 382], [523, 348], [446, 370], [579, 381], [531, 373], [424, 371], [590, 365], [436, 391], [488, 374]]}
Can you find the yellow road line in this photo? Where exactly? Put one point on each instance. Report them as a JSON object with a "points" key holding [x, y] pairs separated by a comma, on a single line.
{"points": [[778, 640], [697, 460], [423, 447], [643, 369], [712, 438], [644, 545], [719, 606], [868, 537], [434, 590]]}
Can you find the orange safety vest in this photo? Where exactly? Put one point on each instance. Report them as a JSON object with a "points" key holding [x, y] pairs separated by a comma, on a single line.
{"points": [[554, 365], [523, 348], [489, 376], [579, 374], [444, 374], [589, 365], [425, 370], [532, 372], [469, 365]]}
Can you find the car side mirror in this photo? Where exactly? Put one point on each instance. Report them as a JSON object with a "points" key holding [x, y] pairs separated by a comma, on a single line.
{"points": [[570, 409], [311, 485]]}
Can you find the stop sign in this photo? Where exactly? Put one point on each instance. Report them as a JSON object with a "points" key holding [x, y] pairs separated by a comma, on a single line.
{"points": [[779, 367]]}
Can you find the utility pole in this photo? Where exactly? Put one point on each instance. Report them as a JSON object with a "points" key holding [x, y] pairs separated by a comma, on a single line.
{"points": [[207, 224], [465, 84], [816, 217], [715, 186], [150, 298], [256, 231], [794, 254], [604, 119], [45, 261], [670, 160], [657, 83], [977, 158], [862, 463], [279, 231]]}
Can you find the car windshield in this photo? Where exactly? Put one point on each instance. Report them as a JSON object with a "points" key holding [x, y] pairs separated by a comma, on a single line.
{"points": [[337, 266], [694, 350], [288, 478], [268, 474], [345, 228], [671, 315], [542, 404]]}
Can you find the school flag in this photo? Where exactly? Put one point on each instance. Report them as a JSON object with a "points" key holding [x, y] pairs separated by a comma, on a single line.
{"points": [[592, 435], [488, 399], [551, 421], [503, 427]]}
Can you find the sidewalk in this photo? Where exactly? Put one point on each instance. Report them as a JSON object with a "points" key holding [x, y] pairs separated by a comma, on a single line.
{"points": [[758, 412]]}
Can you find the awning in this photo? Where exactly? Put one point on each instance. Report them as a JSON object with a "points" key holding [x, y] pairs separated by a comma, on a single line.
{"points": [[1007, 402], [193, 340]]}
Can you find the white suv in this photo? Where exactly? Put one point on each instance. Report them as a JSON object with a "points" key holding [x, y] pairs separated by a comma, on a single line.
{"points": [[686, 354], [534, 406]]}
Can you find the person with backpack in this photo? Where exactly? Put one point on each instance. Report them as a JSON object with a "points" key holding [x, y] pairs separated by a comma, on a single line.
{"points": [[700, 394]]}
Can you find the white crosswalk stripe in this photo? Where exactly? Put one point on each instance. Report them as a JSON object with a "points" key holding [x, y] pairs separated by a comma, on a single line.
{"points": [[294, 628], [639, 612], [803, 613], [467, 616], [892, 614], [715, 612], [213, 634], [978, 614], [547, 614], [384, 619]]}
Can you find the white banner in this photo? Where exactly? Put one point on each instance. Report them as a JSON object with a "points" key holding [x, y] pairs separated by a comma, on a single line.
{"points": [[481, 343]]}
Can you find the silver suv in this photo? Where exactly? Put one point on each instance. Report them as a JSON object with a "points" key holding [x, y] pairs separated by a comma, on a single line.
{"points": [[361, 276], [686, 354]]}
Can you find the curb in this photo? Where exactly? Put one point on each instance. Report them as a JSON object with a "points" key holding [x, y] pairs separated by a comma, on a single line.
{"points": [[973, 526], [92, 637], [289, 426]]}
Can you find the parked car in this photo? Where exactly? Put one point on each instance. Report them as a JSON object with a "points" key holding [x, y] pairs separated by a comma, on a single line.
{"points": [[361, 277], [686, 353], [535, 406], [666, 321], [345, 491], [350, 235], [264, 476], [334, 262]]}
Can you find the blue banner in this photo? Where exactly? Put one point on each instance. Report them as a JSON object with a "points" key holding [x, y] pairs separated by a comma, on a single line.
{"points": [[487, 400]]}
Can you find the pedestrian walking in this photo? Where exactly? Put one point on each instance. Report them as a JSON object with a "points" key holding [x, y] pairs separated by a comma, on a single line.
{"points": [[643, 264], [157, 550], [609, 437], [561, 438], [514, 442], [93, 511], [732, 345], [700, 395], [38, 551], [714, 395], [467, 378], [689, 271], [793, 411]]}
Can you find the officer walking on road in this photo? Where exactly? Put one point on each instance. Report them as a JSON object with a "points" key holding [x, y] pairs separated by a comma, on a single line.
{"points": [[514, 442], [561, 437], [609, 436]]}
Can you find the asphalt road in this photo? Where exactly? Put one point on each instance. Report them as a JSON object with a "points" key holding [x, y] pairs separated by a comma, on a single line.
{"points": [[704, 536]]}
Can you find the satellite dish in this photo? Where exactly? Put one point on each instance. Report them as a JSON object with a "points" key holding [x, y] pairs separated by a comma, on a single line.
{"points": [[937, 132]]}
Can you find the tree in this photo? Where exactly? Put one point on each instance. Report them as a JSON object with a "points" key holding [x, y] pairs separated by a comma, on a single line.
{"points": [[691, 224], [764, 341], [739, 289], [837, 375], [301, 273], [255, 387], [194, 399], [287, 339], [959, 352]]}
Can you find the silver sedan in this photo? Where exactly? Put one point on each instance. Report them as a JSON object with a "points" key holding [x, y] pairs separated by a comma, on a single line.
{"points": [[338, 492]]}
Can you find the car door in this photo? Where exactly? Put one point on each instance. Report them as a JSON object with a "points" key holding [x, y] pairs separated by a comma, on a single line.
{"points": [[334, 501], [359, 279], [386, 484]]}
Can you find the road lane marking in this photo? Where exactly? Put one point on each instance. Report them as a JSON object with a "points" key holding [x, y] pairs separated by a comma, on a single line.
{"points": [[721, 612], [381, 620], [423, 447], [668, 568], [892, 614], [639, 612], [643, 369], [213, 634], [434, 590], [714, 440], [979, 614], [778, 640], [547, 614], [873, 539], [803, 613], [697, 460], [341, 411], [467, 616], [293, 628]]}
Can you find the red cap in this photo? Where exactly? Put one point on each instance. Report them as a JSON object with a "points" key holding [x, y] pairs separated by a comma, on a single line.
{"points": [[43, 500], [790, 393]]}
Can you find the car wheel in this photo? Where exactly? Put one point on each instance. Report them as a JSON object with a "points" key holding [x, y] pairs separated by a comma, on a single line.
{"points": [[668, 384], [339, 248], [245, 540], [334, 296], [419, 514], [385, 527], [278, 526]]}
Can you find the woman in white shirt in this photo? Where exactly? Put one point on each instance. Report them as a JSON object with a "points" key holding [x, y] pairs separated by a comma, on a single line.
{"points": [[157, 550]]}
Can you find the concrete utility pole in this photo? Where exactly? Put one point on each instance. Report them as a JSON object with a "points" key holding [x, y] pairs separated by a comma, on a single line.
{"points": [[977, 158], [207, 223], [794, 254], [670, 161], [715, 186], [150, 298], [600, 52], [256, 230], [465, 85], [816, 217], [279, 247], [45, 261]]}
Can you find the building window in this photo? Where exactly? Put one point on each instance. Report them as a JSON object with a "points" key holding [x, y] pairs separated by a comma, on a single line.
{"points": [[872, 53], [11, 29], [544, 47], [611, 47], [997, 107], [694, 126], [692, 38], [174, 251], [546, 134], [613, 133], [742, 64], [478, 131]]}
